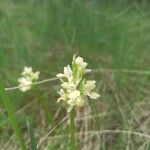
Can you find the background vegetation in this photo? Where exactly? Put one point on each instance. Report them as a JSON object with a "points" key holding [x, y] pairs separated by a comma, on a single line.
{"points": [[109, 34]]}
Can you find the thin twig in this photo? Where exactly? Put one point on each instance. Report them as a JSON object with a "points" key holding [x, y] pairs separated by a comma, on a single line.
{"points": [[35, 83]]}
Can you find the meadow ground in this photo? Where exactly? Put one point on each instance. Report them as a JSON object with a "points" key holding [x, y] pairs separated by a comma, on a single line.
{"points": [[113, 37]]}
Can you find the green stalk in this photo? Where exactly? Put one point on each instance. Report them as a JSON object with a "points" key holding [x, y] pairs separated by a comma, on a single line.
{"points": [[72, 130], [12, 118], [33, 144]]}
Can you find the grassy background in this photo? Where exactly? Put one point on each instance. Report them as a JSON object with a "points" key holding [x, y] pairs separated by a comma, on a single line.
{"points": [[45, 34]]}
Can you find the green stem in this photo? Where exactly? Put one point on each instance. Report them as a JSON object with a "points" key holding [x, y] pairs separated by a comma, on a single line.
{"points": [[12, 118], [72, 130]]}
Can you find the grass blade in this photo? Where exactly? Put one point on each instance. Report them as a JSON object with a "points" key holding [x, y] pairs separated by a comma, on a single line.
{"points": [[33, 144], [148, 146], [12, 118]]}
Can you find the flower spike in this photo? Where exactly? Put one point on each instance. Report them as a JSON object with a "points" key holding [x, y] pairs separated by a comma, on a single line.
{"points": [[74, 87]]}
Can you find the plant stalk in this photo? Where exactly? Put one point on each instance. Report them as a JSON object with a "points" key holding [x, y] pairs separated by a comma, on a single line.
{"points": [[72, 130]]}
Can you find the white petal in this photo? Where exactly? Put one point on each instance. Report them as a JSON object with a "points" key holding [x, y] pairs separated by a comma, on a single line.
{"points": [[84, 65], [89, 86], [63, 95], [35, 76], [24, 84], [74, 94], [93, 95], [80, 62], [67, 71], [27, 70], [25, 88], [60, 75], [69, 86], [59, 99], [87, 70], [24, 81]]}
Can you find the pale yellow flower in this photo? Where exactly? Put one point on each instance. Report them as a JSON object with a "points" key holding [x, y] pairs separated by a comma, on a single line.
{"points": [[90, 85], [80, 62], [74, 95], [35, 76], [63, 95], [74, 87], [27, 79], [78, 101], [70, 86], [88, 89], [27, 71], [67, 73], [24, 84]]}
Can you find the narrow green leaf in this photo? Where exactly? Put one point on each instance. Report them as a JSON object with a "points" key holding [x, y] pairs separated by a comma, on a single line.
{"points": [[33, 144], [12, 118], [148, 146]]}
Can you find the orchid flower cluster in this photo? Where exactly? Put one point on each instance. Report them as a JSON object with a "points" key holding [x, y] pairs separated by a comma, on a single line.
{"points": [[74, 87], [27, 79]]}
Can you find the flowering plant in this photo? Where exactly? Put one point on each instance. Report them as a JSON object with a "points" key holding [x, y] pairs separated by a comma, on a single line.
{"points": [[74, 87], [28, 77]]}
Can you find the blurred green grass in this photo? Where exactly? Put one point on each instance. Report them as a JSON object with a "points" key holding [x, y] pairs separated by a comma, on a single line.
{"points": [[45, 34]]}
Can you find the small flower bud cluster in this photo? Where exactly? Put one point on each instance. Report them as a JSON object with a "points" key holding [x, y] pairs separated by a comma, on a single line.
{"points": [[74, 88], [28, 77]]}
